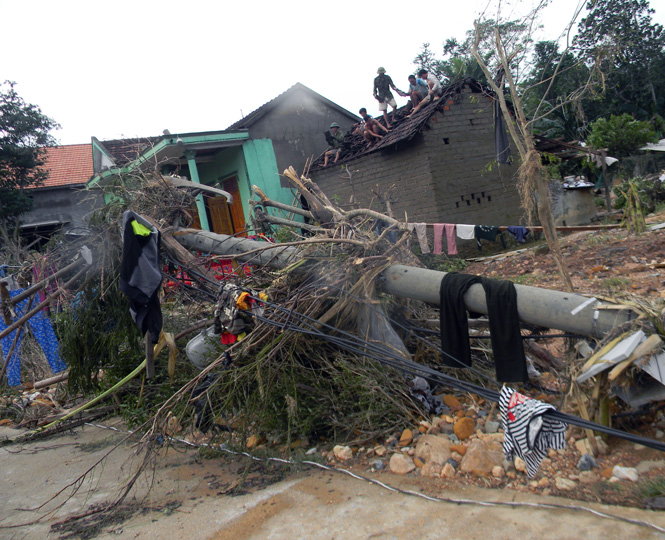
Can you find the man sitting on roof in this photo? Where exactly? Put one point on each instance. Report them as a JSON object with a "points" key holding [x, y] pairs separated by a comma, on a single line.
{"points": [[418, 89], [335, 140], [371, 127], [434, 89]]}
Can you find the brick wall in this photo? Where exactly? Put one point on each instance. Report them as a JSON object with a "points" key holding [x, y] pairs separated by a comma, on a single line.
{"points": [[446, 174]]}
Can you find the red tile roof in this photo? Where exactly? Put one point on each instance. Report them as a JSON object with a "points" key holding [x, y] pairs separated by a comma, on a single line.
{"points": [[70, 164]]}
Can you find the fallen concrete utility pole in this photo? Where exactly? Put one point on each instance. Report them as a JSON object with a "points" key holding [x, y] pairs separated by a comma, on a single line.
{"points": [[569, 312]]}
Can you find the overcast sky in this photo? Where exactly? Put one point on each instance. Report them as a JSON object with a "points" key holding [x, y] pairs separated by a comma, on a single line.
{"points": [[131, 68]]}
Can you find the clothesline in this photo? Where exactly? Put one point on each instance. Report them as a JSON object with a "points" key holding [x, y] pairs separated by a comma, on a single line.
{"points": [[563, 228]]}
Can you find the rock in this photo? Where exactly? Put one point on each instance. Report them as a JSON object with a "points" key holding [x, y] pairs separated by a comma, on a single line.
{"points": [[431, 470], [481, 457], [433, 449], [456, 456], [453, 438], [464, 428], [419, 463], [588, 477], [401, 464], [498, 472], [343, 453], [448, 419], [584, 446], [482, 413], [311, 451], [586, 463], [378, 465], [602, 446], [551, 453], [460, 413], [448, 471], [380, 451], [544, 482], [452, 402], [453, 462], [646, 466], [511, 474], [459, 448], [491, 426], [406, 438], [520, 465], [437, 421], [659, 434], [254, 441], [545, 463], [625, 473], [564, 484], [606, 473]]}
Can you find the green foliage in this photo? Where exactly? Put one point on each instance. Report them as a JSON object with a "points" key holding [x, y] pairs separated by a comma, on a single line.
{"points": [[621, 135], [620, 38], [97, 332], [24, 132], [651, 192]]}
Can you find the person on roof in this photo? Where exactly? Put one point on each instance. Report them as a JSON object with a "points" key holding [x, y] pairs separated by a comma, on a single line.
{"points": [[370, 127], [418, 89], [382, 85], [434, 89], [335, 139]]}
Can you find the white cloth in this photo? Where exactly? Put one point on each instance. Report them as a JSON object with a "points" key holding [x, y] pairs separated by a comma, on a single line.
{"points": [[465, 232], [528, 431], [421, 234]]}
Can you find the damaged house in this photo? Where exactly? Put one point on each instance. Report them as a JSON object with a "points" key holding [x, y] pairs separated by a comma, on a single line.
{"points": [[295, 122], [443, 161], [229, 160]]}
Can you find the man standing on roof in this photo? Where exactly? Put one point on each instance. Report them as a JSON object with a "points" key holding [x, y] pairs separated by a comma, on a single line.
{"points": [[335, 139], [434, 89], [382, 85]]}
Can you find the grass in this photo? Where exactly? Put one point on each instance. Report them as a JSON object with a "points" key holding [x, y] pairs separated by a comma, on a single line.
{"points": [[654, 487], [615, 283]]}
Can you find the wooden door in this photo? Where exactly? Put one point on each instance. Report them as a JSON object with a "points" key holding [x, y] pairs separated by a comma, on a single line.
{"points": [[237, 215], [220, 216]]}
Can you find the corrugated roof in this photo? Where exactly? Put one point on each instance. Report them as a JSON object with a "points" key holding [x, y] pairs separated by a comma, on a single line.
{"points": [[403, 128], [259, 113], [70, 164]]}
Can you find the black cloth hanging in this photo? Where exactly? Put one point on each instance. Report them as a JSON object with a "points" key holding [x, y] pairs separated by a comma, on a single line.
{"points": [[501, 298], [141, 276]]}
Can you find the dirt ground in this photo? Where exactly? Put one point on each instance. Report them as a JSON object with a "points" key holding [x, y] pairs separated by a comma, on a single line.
{"points": [[234, 498]]}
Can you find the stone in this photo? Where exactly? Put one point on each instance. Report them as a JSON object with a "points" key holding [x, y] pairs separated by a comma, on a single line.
{"points": [[448, 471], [255, 440], [380, 451], [448, 419], [312, 451], [452, 402], [625, 473], [586, 463], [433, 449], [459, 448], [646, 466], [520, 465], [511, 474], [655, 503], [453, 438], [659, 434], [401, 464], [498, 472], [491, 426], [460, 413], [588, 477], [564, 484], [343, 453], [481, 457], [464, 428], [378, 465], [453, 462], [456, 456], [431, 470], [607, 473], [419, 463], [406, 438], [584, 446], [543, 482]]}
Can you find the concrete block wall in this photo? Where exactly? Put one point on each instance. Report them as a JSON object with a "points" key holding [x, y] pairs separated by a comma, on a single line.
{"points": [[447, 174]]}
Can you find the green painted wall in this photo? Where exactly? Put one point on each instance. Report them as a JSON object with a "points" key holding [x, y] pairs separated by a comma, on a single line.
{"points": [[254, 164]]}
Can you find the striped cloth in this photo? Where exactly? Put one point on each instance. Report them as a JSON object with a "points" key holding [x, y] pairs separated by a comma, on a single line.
{"points": [[528, 431]]}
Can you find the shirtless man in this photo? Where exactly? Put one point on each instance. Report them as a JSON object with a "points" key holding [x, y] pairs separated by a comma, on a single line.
{"points": [[371, 127]]}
